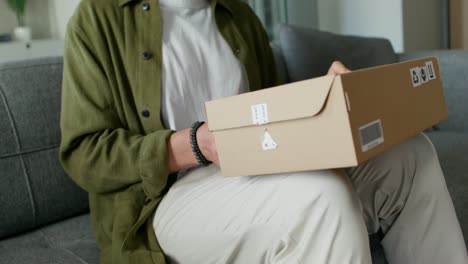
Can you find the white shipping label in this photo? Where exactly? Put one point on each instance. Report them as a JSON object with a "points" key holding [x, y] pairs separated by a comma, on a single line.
{"points": [[371, 135], [268, 143], [260, 114], [431, 71], [415, 76]]}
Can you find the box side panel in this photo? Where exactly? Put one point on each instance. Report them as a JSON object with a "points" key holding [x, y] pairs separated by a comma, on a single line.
{"points": [[388, 97], [320, 142]]}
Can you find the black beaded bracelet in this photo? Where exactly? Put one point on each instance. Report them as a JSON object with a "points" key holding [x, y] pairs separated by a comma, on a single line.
{"points": [[193, 141]]}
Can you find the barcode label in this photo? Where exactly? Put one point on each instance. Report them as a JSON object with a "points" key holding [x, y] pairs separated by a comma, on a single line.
{"points": [[371, 135]]}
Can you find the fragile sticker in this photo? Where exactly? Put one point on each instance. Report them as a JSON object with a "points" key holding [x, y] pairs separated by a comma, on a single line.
{"points": [[415, 76], [423, 72], [259, 114], [268, 143], [431, 71]]}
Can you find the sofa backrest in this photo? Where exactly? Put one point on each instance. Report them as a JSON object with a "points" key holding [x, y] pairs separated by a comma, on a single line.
{"points": [[34, 189], [279, 63], [308, 53], [454, 70]]}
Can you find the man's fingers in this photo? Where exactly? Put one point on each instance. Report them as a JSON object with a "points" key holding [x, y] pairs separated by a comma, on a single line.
{"points": [[338, 68]]}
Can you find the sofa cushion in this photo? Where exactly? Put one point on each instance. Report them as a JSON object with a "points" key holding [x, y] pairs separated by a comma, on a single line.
{"points": [[452, 149], [34, 189], [309, 53], [454, 71], [69, 241], [7, 138]]}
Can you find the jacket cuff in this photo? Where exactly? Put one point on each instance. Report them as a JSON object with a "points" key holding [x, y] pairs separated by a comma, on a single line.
{"points": [[153, 163]]}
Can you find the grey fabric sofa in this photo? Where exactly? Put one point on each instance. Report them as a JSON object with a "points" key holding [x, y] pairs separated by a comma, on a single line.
{"points": [[44, 215]]}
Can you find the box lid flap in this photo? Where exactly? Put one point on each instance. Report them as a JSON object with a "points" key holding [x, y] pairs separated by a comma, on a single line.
{"points": [[286, 102]]}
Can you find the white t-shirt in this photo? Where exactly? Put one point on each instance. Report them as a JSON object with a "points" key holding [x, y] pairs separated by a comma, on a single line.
{"points": [[198, 64]]}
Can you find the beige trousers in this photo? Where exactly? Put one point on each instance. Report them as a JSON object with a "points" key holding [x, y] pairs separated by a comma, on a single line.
{"points": [[317, 216]]}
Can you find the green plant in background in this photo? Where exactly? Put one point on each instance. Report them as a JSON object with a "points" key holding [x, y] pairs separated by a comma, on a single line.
{"points": [[18, 7]]}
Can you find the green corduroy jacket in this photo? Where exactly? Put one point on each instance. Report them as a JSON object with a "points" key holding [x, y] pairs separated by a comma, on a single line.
{"points": [[113, 142]]}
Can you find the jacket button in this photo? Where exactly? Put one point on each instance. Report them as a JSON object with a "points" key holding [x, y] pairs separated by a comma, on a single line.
{"points": [[145, 113], [145, 6], [146, 55], [237, 51]]}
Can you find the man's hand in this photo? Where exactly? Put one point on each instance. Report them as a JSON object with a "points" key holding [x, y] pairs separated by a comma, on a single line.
{"points": [[337, 68], [180, 150]]}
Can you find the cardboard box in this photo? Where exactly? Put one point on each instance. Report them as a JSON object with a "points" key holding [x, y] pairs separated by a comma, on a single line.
{"points": [[326, 122]]}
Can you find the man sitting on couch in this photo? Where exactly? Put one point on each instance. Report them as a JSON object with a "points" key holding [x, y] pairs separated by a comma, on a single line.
{"points": [[136, 76]]}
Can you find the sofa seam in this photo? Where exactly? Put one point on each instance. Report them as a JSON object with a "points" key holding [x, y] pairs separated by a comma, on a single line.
{"points": [[55, 246], [49, 243], [73, 254], [19, 153], [23, 163], [5, 67]]}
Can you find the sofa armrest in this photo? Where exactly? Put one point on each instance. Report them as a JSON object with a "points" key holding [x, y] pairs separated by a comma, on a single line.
{"points": [[454, 71]]}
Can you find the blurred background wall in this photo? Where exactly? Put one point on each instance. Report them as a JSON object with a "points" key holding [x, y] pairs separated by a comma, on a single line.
{"points": [[409, 24]]}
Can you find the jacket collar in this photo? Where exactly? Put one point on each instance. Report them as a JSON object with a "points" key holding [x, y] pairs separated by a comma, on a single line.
{"points": [[225, 3], [228, 4], [124, 2]]}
